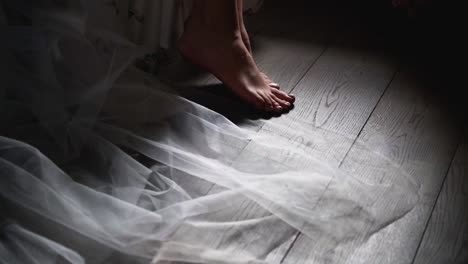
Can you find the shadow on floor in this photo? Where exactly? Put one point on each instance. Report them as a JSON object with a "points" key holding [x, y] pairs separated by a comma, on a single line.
{"points": [[220, 99]]}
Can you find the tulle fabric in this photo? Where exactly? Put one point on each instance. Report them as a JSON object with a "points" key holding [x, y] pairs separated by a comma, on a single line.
{"points": [[101, 163]]}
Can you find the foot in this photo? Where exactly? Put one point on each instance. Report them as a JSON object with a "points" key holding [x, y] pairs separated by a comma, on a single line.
{"points": [[246, 40], [227, 57]]}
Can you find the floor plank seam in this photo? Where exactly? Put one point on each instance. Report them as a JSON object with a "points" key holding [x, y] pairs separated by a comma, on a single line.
{"points": [[397, 71], [294, 86], [308, 69], [426, 225], [290, 247], [238, 155]]}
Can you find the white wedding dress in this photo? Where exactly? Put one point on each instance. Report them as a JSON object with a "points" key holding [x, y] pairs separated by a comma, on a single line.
{"points": [[101, 163]]}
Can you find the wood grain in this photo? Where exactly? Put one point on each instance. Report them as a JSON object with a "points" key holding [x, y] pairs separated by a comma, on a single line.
{"points": [[446, 236], [413, 130], [286, 62], [335, 97]]}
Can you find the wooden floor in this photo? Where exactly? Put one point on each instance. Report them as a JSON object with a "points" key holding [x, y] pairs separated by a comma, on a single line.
{"points": [[353, 73]]}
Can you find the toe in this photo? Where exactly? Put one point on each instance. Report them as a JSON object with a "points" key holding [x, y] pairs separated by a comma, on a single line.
{"points": [[285, 104], [274, 85], [267, 102], [277, 107], [284, 96]]}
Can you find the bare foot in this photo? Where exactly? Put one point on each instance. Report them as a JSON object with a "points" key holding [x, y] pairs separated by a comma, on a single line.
{"points": [[227, 57], [246, 40]]}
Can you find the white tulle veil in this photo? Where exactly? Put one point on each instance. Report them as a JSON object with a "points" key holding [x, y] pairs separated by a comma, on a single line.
{"points": [[101, 163]]}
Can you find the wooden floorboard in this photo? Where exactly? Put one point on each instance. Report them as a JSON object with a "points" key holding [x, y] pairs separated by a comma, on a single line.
{"points": [[285, 61], [335, 97], [412, 128], [339, 76], [445, 240], [284, 51]]}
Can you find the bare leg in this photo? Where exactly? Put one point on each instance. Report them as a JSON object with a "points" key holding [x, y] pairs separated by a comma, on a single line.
{"points": [[246, 39], [244, 34], [213, 40]]}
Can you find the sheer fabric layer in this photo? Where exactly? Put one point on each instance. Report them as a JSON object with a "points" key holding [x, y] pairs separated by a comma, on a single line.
{"points": [[101, 163]]}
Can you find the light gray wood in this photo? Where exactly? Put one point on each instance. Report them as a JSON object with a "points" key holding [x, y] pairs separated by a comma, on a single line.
{"points": [[284, 50], [284, 61], [446, 236], [338, 94], [413, 130], [335, 97]]}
